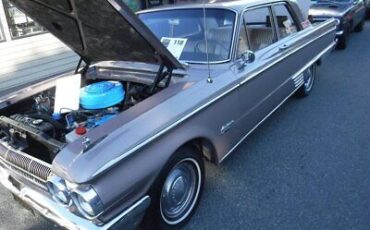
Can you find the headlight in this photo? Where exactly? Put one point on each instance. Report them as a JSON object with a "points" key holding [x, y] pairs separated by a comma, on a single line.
{"points": [[87, 201], [58, 190]]}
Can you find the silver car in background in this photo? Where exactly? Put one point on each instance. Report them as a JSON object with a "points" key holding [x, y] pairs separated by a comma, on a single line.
{"points": [[124, 139]]}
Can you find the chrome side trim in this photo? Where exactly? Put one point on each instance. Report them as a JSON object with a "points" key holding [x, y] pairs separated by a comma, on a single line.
{"points": [[298, 80], [160, 133], [150, 139], [327, 49]]}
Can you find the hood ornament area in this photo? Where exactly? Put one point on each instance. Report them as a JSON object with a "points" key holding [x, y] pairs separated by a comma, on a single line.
{"points": [[86, 144]]}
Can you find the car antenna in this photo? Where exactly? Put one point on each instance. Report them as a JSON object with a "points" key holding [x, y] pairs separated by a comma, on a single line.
{"points": [[209, 78]]}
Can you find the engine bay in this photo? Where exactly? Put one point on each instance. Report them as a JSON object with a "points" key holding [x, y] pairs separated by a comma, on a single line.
{"points": [[33, 126]]}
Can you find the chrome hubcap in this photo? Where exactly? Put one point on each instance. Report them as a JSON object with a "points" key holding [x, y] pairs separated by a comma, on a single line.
{"points": [[310, 76], [180, 191]]}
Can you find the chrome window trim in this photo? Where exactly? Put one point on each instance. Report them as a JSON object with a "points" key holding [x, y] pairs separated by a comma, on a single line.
{"points": [[292, 13], [269, 5], [286, 55], [184, 118], [231, 52], [297, 22], [272, 20]]}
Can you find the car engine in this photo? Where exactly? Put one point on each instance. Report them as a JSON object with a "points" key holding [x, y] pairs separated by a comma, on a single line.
{"points": [[32, 125]]}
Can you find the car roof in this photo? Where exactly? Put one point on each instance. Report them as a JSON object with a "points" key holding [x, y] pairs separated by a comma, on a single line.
{"points": [[235, 5]]}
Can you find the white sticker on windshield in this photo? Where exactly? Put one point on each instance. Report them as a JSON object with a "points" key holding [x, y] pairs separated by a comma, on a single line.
{"points": [[174, 45]]}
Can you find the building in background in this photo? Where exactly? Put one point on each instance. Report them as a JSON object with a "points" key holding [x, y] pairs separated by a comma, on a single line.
{"points": [[28, 52]]}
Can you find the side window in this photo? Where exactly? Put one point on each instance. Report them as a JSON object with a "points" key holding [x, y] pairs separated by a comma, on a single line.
{"points": [[284, 20], [259, 28]]}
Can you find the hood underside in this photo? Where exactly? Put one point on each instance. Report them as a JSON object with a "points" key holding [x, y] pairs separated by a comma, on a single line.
{"points": [[99, 30]]}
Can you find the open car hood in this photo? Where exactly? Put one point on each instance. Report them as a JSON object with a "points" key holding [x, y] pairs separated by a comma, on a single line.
{"points": [[99, 30]]}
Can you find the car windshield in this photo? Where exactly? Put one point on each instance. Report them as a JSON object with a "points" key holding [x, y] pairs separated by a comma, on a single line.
{"points": [[182, 32]]}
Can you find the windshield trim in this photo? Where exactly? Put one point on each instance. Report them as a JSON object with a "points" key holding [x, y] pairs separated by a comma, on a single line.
{"points": [[236, 20]]}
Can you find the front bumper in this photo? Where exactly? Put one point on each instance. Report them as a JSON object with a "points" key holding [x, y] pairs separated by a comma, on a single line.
{"points": [[38, 202]]}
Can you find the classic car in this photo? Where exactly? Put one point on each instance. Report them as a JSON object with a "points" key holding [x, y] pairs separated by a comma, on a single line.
{"points": [[123, 140], [351, 15]]}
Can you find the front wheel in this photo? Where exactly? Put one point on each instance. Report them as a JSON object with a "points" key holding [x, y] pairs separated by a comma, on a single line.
{"points": [[309, 79], [177, 191]]}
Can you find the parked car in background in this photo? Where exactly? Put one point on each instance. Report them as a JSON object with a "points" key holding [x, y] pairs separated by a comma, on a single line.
{"points": [[127, 135], [350, 13]]}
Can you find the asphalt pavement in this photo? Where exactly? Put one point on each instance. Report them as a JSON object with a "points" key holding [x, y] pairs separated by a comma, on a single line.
{"points": [[306, 167]]}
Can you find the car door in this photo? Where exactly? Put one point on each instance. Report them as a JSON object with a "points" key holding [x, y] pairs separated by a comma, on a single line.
{"points": [[296, 46], [258, 85], [282, 50]]}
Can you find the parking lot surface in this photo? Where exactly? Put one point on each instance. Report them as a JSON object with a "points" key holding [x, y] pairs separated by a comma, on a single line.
{"points": [[306, 167]]}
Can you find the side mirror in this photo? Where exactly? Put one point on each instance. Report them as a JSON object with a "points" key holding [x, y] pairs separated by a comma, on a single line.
{"points": [[245, 58], [248, 56]]}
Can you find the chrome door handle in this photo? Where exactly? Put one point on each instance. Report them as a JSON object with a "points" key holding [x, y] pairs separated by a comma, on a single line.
{"points": [[284, 47]]}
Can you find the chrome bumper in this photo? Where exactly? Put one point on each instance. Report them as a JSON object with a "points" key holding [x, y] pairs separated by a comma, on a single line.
{"points": [[58, 214]]}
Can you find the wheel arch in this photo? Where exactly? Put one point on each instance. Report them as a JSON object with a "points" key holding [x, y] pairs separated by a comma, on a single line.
{"points": [[205, 147]]}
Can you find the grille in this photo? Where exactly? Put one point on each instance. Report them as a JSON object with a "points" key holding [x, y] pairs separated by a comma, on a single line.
{"points": [[28, 176], [26, 166]]}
